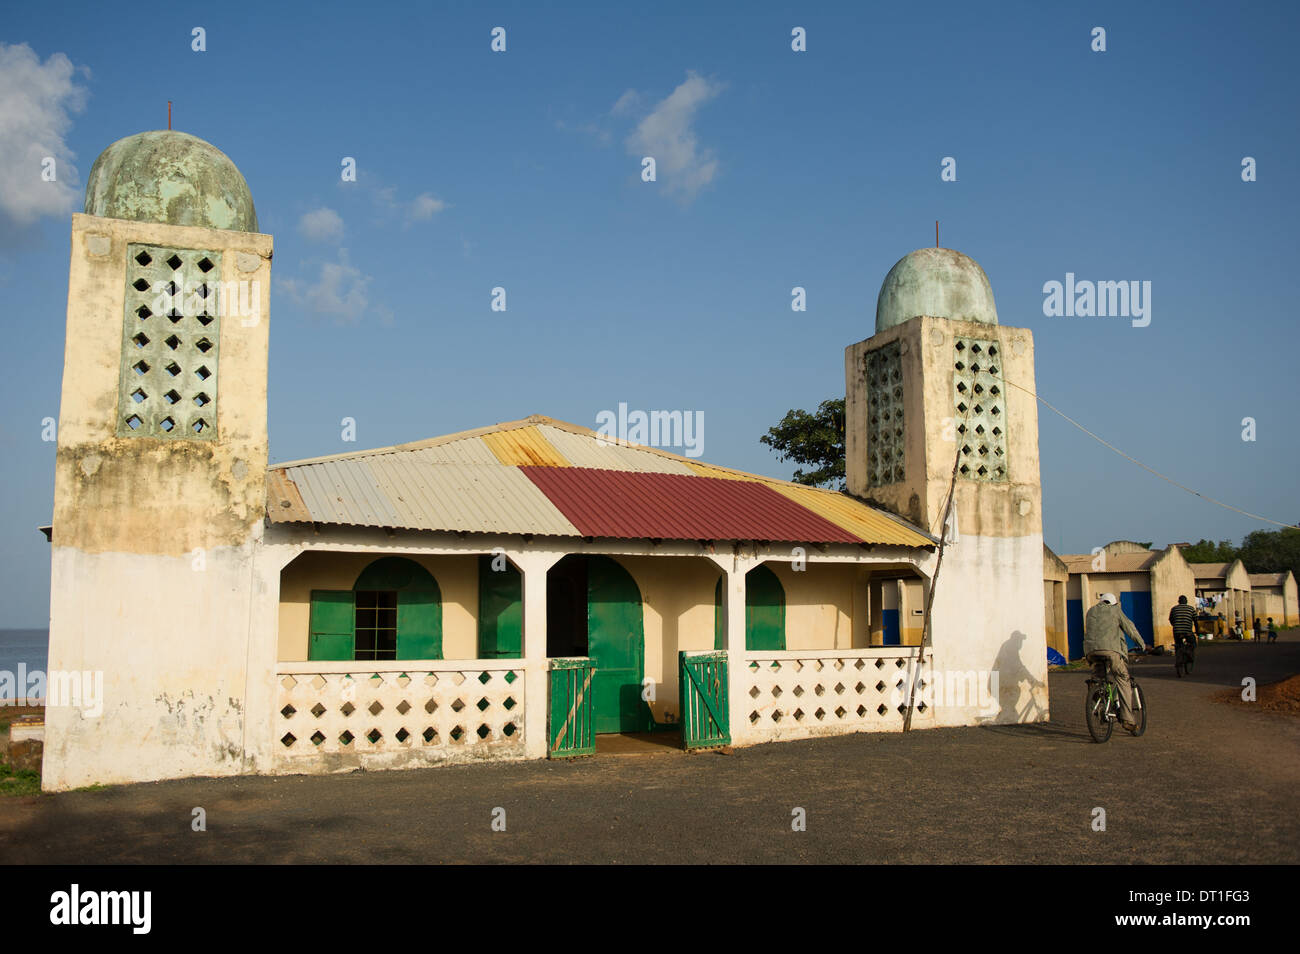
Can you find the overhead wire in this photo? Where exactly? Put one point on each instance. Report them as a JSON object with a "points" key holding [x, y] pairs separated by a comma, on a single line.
{"points": [[1151, 470]]}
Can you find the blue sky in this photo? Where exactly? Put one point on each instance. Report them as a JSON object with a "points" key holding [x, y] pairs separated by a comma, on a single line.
{"points": [[819, 169]]}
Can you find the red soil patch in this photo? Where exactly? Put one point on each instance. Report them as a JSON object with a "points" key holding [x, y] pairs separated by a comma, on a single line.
{"points": [[1281, 696]]}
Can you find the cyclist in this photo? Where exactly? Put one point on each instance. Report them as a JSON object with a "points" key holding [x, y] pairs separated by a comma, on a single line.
{"points": [[1103, 642], [1183, 618]]}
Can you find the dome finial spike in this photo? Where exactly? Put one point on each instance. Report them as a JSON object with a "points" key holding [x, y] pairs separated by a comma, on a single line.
{"points": [[169, 126], [936, 221]]}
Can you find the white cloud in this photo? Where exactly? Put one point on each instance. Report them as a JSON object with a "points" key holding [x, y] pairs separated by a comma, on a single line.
{"points": [[321, 225], [666, 134], [425, 207], [625, 103], [340, 291], [36, 103]]}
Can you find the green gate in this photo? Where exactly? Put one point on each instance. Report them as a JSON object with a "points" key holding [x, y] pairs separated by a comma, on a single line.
{"points": [[703, 682], [569, 729]]}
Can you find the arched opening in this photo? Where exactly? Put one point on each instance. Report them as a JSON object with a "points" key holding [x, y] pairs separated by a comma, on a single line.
{"points": [[393, 611], [764, 612], [594, 609]]}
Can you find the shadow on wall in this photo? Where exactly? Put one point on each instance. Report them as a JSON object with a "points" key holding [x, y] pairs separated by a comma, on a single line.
{"points": [[1017, 702]]}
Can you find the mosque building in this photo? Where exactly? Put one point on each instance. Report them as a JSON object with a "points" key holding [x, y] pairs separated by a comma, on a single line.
{"points": [[518, 590]]}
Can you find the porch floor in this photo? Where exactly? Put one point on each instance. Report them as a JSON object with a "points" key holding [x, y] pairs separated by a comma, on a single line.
{"points": [[639, 743]]}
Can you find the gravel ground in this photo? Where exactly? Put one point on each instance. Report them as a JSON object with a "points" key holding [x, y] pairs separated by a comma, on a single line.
{"points": [[1208, 783]]}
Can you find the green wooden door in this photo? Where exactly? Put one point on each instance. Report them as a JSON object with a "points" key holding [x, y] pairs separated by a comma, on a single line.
{"points": [[500, 611], [419, 623], [704, 699], [616, 643], [764, 611], [569, 729], [331, 625]]}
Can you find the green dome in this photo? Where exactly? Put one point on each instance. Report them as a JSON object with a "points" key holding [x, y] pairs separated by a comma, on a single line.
{"points": [[170, 177], [938, 282]]}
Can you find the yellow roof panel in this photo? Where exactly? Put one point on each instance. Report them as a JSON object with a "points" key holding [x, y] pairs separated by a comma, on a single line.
{"points": [[523, 447]]}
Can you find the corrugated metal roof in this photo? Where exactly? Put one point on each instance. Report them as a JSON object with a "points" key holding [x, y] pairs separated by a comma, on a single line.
{"points": [[283, 502], [1115, 562], [482, 481], [468, 451], [628, 505], [524, 446], [396, 491], [871, 526], [590, 451], [1267, 579]]}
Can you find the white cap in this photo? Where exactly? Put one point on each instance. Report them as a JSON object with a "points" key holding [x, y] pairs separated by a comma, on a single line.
{"points": [[1108, 598]]}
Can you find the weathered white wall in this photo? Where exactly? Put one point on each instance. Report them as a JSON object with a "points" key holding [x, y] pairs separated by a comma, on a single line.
{"points": [[988, 616], [172, 644]]}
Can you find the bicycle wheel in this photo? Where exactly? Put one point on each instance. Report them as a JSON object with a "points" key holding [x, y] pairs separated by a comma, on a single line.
{"points": [[1191, 658], [1140, 708], [1099, 727]]}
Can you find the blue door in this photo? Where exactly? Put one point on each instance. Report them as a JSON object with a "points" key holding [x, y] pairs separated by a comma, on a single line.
{"points": [[1074, 628], [1137, 607], [890, 619]]}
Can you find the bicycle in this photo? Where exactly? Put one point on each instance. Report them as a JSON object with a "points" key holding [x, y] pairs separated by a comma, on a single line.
{"points": [[1184, 655], [1101, 707]]}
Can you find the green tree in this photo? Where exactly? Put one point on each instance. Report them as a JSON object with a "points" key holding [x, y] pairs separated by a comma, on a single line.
{"points": [[1271, 551], [1207, 551], [815, 441]]}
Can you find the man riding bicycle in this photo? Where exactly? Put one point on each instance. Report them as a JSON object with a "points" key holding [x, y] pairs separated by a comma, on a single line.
{"points": [[1103, 642], [1183, 618]]}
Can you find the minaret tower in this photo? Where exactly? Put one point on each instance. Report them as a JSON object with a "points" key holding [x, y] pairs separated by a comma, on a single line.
{"points": [[159, 493], [941, 382]]}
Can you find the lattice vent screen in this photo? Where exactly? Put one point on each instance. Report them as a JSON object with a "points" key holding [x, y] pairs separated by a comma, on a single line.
{"points": [[169, 344]]}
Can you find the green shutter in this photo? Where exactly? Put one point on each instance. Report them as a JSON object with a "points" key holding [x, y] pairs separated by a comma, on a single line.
{"points": [[500, 611], [332, 620], [419, 624], [764, 612]]}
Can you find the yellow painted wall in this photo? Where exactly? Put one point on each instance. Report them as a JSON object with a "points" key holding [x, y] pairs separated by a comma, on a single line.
{"points": [[819, 603], [457, 578], [1054, 617], [1171, 577], [912, 619]]}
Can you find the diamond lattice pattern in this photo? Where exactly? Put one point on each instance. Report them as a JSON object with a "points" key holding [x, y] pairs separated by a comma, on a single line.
{"points": [[980, 404], [170, 334], [884, 376]]}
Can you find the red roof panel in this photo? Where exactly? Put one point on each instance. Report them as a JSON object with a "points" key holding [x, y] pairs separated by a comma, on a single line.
{"points": [[630, 505]]}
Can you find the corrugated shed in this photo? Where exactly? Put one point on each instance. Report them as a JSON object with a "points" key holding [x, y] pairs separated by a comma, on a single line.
{"points": [[588, 451], [628, 505], [524, 446], [392, 491], [542, 476]]}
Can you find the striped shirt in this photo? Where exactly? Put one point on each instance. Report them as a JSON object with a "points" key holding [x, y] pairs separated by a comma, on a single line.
{"points": [[1183, 618]]}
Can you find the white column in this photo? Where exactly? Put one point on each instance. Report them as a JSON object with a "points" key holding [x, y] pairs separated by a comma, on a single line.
{"points": [[533, 568], [734, 569]]}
